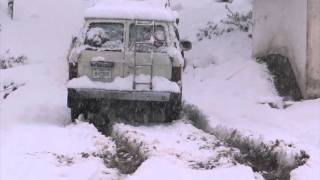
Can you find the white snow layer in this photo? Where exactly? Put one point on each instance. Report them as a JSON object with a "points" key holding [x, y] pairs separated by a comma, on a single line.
{"points": [[48, 152], [125, 9], [158, 168], [175, 150], [125, 84], [234, 90], [180, 140], [35, 142]]}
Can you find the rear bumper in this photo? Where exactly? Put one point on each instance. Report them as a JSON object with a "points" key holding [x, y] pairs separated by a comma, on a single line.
{"points": [[76, 95]]}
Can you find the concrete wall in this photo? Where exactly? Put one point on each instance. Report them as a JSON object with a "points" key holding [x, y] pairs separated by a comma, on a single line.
{"points": [[280, 27], [313, 65]]}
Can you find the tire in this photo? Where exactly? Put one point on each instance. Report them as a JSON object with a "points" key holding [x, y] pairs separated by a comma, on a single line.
{"points": [[78, 107], [75, 112], [173, 110], [101, 121]]}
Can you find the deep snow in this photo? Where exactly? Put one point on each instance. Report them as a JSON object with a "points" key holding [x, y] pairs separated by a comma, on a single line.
{"points": [[180, 140], [162, 168], [228, 85], [234, 91], [37, 140], [51, 152]]}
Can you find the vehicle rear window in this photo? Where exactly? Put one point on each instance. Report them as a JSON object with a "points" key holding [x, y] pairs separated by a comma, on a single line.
{"points": [[144, 34], [105, 36]]}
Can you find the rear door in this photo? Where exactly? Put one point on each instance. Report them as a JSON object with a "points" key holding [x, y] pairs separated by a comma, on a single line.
{"points": [[162, 65]]}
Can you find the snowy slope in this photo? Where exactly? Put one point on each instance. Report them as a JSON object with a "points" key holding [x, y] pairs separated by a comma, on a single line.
{"points": [[36, 140], [39, 32], [233, 90], [47, 28]]}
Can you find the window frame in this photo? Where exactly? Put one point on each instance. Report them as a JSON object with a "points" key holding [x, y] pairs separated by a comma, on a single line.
{"points": [[88, 27], [157, 23]]}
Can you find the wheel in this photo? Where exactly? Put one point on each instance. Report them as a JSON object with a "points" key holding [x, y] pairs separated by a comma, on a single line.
{"points": [[173, 111], [101, 121], [78, 107], [75, 112]]}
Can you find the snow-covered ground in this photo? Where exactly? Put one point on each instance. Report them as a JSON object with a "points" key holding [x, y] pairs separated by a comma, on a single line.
{"points": [[37, 140], [180, 140], [234, 91], [161, 168], [181, 151], [53, 152]]}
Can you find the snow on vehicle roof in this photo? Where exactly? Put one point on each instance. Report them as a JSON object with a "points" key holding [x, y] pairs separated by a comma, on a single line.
{"points": [[124, 9]]}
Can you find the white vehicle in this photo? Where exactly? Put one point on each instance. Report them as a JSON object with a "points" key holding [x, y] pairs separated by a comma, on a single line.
{"points": [[128, 62]]}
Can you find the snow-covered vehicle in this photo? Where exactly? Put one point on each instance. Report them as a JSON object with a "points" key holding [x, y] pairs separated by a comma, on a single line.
{"points": [[128, 61]]}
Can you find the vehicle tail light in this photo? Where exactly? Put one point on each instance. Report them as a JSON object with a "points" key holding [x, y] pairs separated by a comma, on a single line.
{"points": [[176, 74], [73, 70]]}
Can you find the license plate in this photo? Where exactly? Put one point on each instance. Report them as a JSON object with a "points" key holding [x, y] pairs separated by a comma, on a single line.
{"points": [[101, 73]]}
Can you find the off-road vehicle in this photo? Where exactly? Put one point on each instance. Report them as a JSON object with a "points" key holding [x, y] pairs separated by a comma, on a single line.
{"points": [[127, 62]]}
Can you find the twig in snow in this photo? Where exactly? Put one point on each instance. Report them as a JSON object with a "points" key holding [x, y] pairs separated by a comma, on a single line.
{"points": [[7, 89], [236, 72]]}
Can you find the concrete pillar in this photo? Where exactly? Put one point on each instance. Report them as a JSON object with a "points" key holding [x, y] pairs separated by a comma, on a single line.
{"points": [[313, 49]]}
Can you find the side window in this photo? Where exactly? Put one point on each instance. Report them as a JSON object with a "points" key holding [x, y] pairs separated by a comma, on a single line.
{"points": [[105, 36], [144, 34]]}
